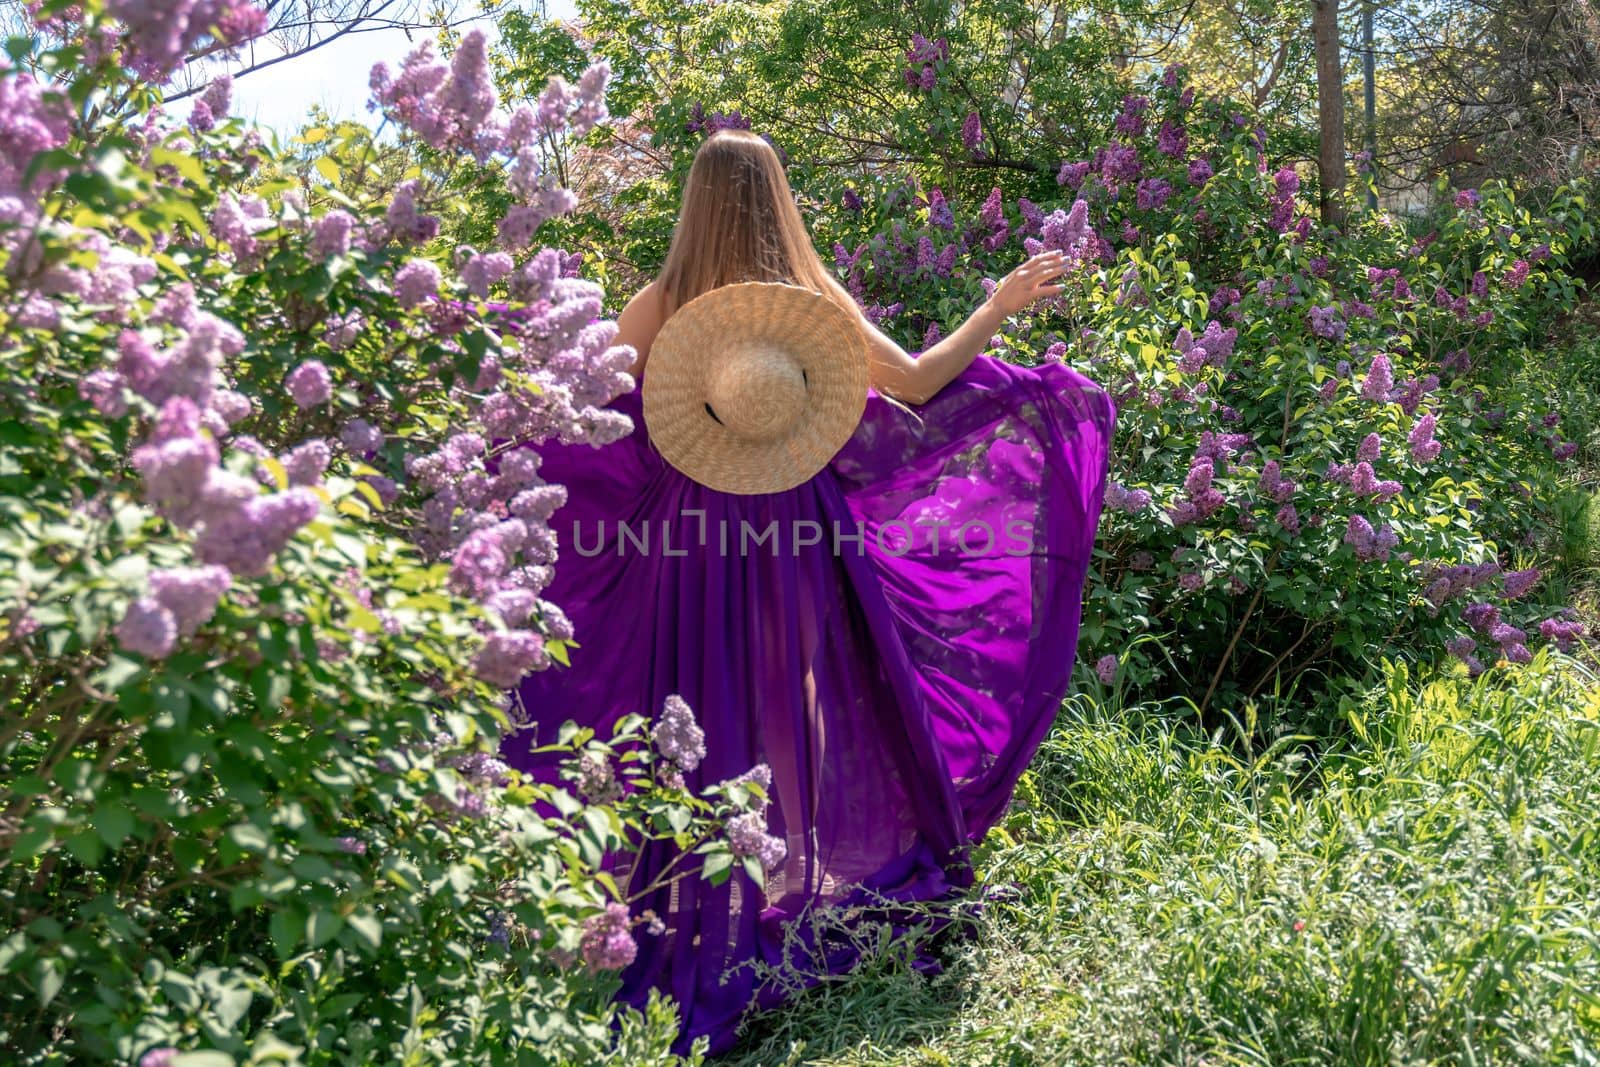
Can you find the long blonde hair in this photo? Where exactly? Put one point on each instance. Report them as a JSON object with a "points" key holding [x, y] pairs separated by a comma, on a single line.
{"points": [[739, 223]]}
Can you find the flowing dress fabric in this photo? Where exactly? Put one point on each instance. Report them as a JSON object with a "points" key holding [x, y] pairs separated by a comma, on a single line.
{"points": [[893, 637]]}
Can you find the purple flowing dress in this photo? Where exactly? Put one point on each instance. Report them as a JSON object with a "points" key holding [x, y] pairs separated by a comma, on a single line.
{"points": [[897, 672]]}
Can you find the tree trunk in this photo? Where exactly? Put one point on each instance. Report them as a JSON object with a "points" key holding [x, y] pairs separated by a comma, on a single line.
{"points": [[1330, 108]]}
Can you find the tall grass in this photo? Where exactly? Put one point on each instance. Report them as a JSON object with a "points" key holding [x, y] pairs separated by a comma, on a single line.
{"points": [[1424, 891]]}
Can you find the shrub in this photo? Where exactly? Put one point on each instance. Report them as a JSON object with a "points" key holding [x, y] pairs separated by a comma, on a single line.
{"points": [[269, 557], [1328, 448]]}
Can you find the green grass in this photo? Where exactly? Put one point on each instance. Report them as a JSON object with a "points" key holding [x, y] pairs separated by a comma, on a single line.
{"points": [[1427, 891]]}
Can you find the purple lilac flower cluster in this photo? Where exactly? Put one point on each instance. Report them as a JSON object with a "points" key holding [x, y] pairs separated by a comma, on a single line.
{"points": [[679, 739], [1484, 619], [1213, 348], [1445, 583], [1121, 498], [1200, 498], [921, 59], [239, 530], [454, 107], [1062, 231], [1285, 184], [1562, 630], [747, 830], [607, 944], [160, 35], [1369, 544]]}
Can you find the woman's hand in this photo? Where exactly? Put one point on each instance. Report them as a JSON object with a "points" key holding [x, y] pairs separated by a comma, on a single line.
{"points": [[1029, 282]]}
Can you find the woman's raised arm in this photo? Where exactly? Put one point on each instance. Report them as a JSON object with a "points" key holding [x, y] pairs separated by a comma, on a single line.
{"points": [[916, 380]]}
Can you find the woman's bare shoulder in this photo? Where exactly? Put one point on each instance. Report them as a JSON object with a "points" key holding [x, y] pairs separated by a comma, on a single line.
{"points": [[639, 322]]}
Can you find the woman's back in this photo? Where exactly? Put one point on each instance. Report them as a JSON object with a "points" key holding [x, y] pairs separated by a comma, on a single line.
{"points": [[891, 638]]}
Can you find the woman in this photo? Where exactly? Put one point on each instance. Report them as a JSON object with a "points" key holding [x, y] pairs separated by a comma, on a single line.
{"points": [[896, 687]]}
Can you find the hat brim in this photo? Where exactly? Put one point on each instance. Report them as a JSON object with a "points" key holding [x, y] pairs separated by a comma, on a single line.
{"points": [[696, 340]]}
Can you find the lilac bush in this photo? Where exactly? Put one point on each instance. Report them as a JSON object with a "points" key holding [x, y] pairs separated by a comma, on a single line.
{"points": [[271, 555], [1306, 445]]}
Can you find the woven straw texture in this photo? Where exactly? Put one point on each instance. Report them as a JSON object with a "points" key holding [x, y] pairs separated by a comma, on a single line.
{"points": [[753, 387]]}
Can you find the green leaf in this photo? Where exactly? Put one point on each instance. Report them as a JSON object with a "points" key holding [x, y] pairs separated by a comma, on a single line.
{"points": [[367, 926], [328, 169], [113, 824], [249, 837], [116, 673], [204, 1058], [322, 925], [288, 925], [87, 846], [50, 974], [718, 867]]}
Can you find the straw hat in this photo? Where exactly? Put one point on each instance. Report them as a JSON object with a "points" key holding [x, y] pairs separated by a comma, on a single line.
{"points": [[753, 387]]}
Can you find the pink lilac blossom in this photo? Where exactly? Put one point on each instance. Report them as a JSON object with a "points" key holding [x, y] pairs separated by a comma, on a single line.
{"points": [[1072, 174], [1481, 617], [1172, 140], [236, 221], [148, 628], [330, 234], [508, 655], [1325, 322], [1424, 448], [306, 462], [416, 282], [1561, 632], [106, 391], [176, 462], [191, 594], [596, 779], [405, 221], [245, 538], [1369, 544], [1378, 385], [1274, 484], [677, 736], [747, 836], [1445, 583], [161, 33], [1152, 194], [1363, 482], [1120, 498], [341, 331], [1105, 668], [483, 270], [1202, 500], [310, 384], [34, 118], [361, 437], [972, 131], [606, 944], [1286, 183], [1120, 163]]}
